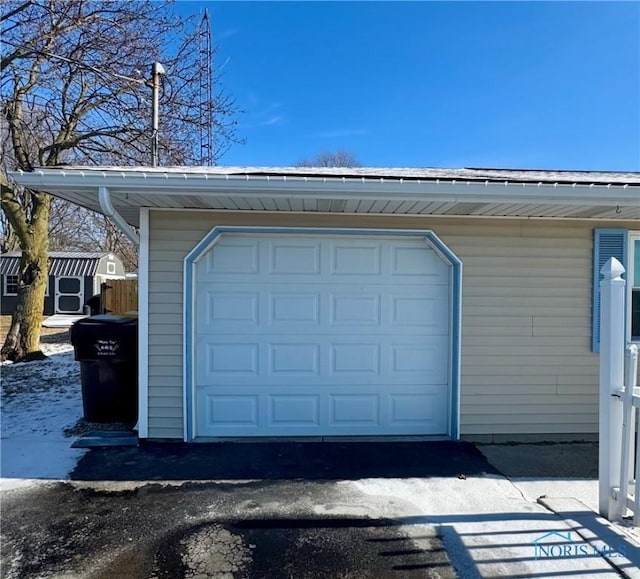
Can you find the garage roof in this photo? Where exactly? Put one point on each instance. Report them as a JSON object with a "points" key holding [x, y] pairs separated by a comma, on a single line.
{"points": [[429, 191]]}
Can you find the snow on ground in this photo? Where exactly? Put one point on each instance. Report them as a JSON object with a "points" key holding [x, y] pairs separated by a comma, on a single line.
{"points": [[39, 400]]}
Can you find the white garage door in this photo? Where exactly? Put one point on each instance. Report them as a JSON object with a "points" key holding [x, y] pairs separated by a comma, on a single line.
{"points": [[300, 335]]}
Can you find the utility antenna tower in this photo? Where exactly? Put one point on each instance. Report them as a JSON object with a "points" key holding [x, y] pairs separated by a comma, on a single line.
{"points": [[206, 92]]}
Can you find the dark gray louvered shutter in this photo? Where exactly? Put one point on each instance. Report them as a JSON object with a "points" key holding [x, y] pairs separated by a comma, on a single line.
{"points": [[606, 243]]}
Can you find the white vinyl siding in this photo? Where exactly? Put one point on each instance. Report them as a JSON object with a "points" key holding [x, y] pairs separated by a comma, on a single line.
{"points": [[527, 365]]}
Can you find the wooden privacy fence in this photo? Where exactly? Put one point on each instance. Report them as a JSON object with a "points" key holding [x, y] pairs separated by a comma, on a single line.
{"points": [[119, 296], [619, 448]]}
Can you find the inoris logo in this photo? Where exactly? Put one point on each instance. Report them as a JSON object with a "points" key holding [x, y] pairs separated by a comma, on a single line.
{"points": [[557, 545]]}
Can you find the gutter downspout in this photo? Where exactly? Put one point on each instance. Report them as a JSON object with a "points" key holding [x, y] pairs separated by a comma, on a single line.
{"points": [[108, 209]]}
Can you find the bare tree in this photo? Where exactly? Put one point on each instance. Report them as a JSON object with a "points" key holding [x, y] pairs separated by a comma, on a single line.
{"points": [[73, 90], [67, 224], [114, 241], [8, 239], [338, 158], [100, 234], [74, 228]]}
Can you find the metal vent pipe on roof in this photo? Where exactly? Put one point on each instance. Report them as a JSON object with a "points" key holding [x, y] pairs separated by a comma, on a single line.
{"points": [[156, 71]]}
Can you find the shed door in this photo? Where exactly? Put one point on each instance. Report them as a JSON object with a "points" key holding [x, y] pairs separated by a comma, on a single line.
{"points": [[316, 335], [69, 297]]}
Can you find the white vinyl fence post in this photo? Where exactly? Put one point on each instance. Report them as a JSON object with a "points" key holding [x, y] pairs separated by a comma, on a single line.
{"points": [[631, 381], [627, 453], [612, 298]]}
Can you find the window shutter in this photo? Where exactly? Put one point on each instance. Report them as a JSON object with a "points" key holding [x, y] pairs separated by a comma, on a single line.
{"points": [[606, 243]]}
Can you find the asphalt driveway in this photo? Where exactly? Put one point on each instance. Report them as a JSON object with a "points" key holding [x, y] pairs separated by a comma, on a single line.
{"points": [[282, 460], [280, 513], [301, 510], [267, 529]]}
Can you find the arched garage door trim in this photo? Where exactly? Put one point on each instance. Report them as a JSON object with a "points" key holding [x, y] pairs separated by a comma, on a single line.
{"points": [[209, 241]]}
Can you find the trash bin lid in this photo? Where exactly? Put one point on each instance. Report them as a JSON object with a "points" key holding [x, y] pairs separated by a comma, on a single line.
{"points": [[103, 337], [107, 320]]}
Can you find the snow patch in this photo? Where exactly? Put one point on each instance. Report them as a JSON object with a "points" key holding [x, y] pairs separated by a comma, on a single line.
{"points": [[39, 400]]}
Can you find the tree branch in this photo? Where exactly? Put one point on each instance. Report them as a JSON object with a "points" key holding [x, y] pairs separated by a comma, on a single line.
{"points": [[15, 11], [13, 210]]}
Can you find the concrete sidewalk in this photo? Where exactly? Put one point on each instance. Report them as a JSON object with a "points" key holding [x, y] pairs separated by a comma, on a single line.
{"points": [[490, 529], [563, 478]]}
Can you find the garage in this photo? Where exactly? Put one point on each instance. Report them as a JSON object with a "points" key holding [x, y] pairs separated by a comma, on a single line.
{"points": [[315, 339], [320, 334]]}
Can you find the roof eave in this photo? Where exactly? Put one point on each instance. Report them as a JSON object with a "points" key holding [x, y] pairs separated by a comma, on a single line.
{"points": [[202, 184]]}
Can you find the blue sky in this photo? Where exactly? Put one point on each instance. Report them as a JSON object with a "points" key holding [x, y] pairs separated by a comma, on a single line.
{"points": [[433, 84]]}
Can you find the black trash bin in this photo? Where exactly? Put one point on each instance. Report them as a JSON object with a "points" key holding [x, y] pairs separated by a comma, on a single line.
{"points": [[107, 348]]}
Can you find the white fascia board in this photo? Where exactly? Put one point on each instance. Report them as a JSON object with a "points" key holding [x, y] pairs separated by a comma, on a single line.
{"points": [[207, 185], [143, 326]]}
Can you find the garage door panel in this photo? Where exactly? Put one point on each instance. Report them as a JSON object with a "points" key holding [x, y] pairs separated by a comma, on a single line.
{"points": [[355, 259], [354, 308], [412, 309], [334, 309], [354, 410], [286, 358], [293, 410], [232, 358], [411, 261], [420, 409], [423, 362], [343, 260], [308, 383], [350, 358], [231, 410], [224, 411], [293, 308], [299, 258], [331, 359], [230, 308], [234, 256], [302, 335], [339, 330]]}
